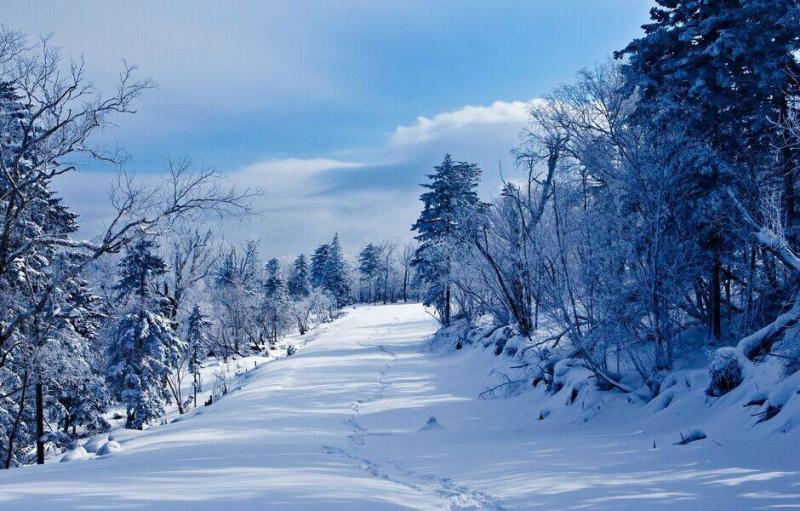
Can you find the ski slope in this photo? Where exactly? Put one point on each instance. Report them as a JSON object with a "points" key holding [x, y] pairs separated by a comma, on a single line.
{"points": [[344, 425]]}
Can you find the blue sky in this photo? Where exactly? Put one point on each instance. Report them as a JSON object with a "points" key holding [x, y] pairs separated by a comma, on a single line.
{"points": [[332, 108]]}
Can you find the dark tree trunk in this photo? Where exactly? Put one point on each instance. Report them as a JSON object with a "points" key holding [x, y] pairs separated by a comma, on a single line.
{"points": [[405, 285], [447, 306], [716, 299], [39, 423], [13, 434]]}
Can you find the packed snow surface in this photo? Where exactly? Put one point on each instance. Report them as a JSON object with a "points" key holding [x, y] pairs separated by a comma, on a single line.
{"points": [[346, 424]]}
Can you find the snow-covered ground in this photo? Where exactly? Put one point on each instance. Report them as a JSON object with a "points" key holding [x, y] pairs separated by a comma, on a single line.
{"points": [[345, 424]]}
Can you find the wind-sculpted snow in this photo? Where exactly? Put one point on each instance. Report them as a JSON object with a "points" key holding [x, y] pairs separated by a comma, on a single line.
{"points": [[341, 425]]}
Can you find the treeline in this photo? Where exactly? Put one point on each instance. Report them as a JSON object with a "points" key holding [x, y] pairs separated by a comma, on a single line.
{"points": [[257, 304], [659, 198]]}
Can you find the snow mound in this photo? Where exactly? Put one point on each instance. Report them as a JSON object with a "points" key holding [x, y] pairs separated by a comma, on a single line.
{"points": [[108, 448], [78, 453], [431, 425], [95, 443]]}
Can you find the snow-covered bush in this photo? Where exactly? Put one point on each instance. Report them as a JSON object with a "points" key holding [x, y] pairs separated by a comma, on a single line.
{"points": [[221, 382], [724, 371]]}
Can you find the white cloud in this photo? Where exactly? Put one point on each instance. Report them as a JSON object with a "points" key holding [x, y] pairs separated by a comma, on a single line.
{"points": [[368, 194], [295, 166], [514, 113]]}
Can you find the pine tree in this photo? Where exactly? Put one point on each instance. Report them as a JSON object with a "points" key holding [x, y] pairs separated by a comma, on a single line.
{"points": [[370, 266], [274, 281], [197, 333], [145, 347], [275, 303], [319, 261], [336, 280], [299, 284], [452, 198]]}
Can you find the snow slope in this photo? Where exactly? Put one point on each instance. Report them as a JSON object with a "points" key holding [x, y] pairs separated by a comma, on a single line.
{"points": [[346, 424]]}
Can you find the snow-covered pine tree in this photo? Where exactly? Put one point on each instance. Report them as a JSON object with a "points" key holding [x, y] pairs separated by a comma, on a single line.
{"points": [[319, 261], [336, 280], [275, 303], [197, 333], [451, 198], [75, 362], [273, 282], [370, 268], [144, 347], [299, 285]]}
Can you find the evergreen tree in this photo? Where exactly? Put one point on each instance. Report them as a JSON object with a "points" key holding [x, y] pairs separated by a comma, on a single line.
{"points": [[319, 261], [138, 269], [273, 283], [299, 284], [197, 333], [145, 347], [336, 280], [275, 303], [450, 200], [370, 266]]}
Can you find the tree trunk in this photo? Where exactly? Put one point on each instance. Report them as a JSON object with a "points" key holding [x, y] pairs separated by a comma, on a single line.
{"points": [[716, 300], [447, 306], [39, 423], [13, 434]]}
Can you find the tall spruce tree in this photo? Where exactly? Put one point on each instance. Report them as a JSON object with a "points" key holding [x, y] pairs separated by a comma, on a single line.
{"points": [[197, 334], [275, 303], [299, 285], [319, 261], [336, 280], [145, 347], [450, 200], [370, 267]]}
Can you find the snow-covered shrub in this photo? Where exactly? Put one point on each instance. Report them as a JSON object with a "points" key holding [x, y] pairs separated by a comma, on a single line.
{"points": [[725, 371], [221, 381], [691, 436]]}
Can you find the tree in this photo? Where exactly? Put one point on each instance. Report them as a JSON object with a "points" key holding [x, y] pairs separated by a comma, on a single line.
{"points": [[370, 268], [193, 258], [236, 295], [197, 336], [145, 347], [451, 198], [275, 303], [407, 258], [388, 271], [299, 285], [336, 279], [319, 263]]}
